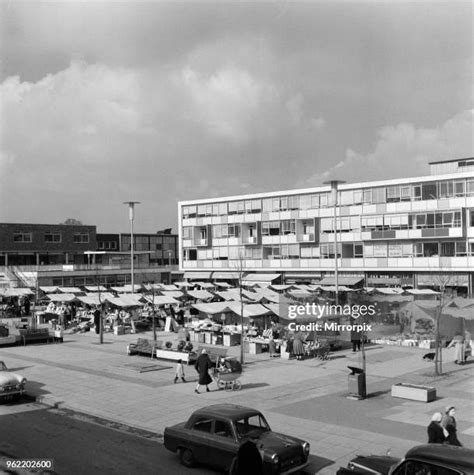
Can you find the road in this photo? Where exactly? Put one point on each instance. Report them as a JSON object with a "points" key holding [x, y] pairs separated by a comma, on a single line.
{"points": [[78, 444]]}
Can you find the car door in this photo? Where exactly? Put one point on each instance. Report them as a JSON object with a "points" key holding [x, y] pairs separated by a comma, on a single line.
{"points": [[223, 444], [200, 438]]}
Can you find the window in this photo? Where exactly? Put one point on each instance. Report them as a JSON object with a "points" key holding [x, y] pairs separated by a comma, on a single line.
{"points": [[378, 195], [367, 196], [22, 237], [471, 218], [418, 249], [414, 467], [203, 425], [223, 429], [189, 212], [233, 230], [460, 188], [446, 189], [52, 237], [255, 424], [358, 250], [447, 249], [428, 191], [288, 227], [461, 249], [80, 237], [293, 202], [470, 188], [187, 232], [430, 249]]}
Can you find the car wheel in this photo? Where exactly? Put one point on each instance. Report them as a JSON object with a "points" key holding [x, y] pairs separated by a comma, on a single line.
{"points": [[186, 457]]}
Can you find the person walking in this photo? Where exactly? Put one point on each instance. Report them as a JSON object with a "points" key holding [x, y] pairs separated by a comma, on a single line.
{"points": [[203, 365], [437, 434], [449, 423], [179, 372]]}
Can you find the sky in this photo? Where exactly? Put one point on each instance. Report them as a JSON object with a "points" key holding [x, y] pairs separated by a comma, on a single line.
{"points": [[158, 102]]}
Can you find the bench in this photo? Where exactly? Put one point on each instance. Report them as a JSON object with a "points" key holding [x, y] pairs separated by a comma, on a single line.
{"points": [[35, 336], [142, 346], [213, 352]]}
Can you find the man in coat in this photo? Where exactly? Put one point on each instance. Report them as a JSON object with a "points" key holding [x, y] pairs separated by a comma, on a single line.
{"points": [[203, 365]]}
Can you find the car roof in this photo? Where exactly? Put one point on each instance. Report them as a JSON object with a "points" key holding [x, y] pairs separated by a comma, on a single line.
{"points": [[230, 411], [448, 454]]}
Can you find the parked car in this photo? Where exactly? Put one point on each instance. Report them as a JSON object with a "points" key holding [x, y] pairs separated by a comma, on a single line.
{"points": [[213, 434], [12, 385], [430, 459]]}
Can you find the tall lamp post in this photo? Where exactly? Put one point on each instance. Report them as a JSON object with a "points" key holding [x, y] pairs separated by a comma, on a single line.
{"points": [[131, 208], [334, 185]]}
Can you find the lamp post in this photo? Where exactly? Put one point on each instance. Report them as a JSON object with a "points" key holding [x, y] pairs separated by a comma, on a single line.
{"points": [[131, 208], [334, 185]]}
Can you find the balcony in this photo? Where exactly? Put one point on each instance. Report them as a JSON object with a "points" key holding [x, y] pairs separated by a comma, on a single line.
{"points": [[251, 240]]}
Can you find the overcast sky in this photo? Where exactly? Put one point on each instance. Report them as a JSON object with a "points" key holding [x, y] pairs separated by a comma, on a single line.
{"points": [[103, 102]]}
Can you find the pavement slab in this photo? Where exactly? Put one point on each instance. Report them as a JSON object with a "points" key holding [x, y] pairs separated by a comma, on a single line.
{"points": [[302, 398]]}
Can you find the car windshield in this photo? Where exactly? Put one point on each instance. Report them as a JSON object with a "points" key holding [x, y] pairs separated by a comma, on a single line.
{"points": [[251, 426], [3, 366]]}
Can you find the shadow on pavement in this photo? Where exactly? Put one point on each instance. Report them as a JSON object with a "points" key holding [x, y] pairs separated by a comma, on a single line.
{"points": [[254, 385], [378, 393], [316, 464]]}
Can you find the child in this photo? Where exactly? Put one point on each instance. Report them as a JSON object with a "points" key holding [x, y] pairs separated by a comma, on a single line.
{"points": [[179, 372]]}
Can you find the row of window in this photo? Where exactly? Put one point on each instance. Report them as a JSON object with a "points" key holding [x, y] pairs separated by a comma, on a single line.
{"points": [[377, 195], [326, 251], [51, 237], [431, 220]]}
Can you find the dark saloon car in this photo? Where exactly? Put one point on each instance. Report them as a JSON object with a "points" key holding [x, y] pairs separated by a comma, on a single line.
{"points": [[213, 435], [430, 459]]}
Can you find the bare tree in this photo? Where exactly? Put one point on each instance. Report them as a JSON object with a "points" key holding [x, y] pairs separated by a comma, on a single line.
{"points": [[442, 280]]}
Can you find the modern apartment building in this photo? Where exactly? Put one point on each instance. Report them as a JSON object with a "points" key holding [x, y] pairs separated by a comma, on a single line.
{"points": [[411, 232]]}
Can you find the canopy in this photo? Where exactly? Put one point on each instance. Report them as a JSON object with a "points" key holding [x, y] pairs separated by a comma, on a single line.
{"points": [[249, 310], [64, 298], [15, 292], [280, 287], [175, 294], [70, 290], [183, 284], [225, 275], [90, 299], [224, 285], [212, 308], [388, 290], [125, 300], [230, 294], [49, 289], [200, 294], [205, 285], [341, 280], [95, 288], [422, 292], [268, 278], [103, 295], [197, 275], [332, 288], [169, 287], [300, 294], [127, 288], [160, 300]]}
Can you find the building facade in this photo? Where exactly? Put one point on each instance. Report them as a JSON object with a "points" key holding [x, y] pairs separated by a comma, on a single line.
{"points": [[45, 244], [404, 232]]}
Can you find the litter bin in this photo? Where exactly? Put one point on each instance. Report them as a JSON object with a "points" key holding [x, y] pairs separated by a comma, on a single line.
{"points": [[356, 382]]}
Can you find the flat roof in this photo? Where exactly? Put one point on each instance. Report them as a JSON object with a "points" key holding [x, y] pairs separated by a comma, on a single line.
{"points": [[327, 188], [451, 160]]}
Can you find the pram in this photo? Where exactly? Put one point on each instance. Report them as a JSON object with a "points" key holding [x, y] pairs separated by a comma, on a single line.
{"points": [[227, 372], [318, 349]]}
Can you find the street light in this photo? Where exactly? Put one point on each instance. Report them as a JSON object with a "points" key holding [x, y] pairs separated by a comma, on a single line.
{"points": [[131, 207], [334, 184]]}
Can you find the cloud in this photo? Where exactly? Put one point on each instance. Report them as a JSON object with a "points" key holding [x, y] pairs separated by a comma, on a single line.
{"points": [[404, 150], [91, 136]]}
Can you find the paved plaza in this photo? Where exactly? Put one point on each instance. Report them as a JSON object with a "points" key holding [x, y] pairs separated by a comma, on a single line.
{"points": [[307, 399]]}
